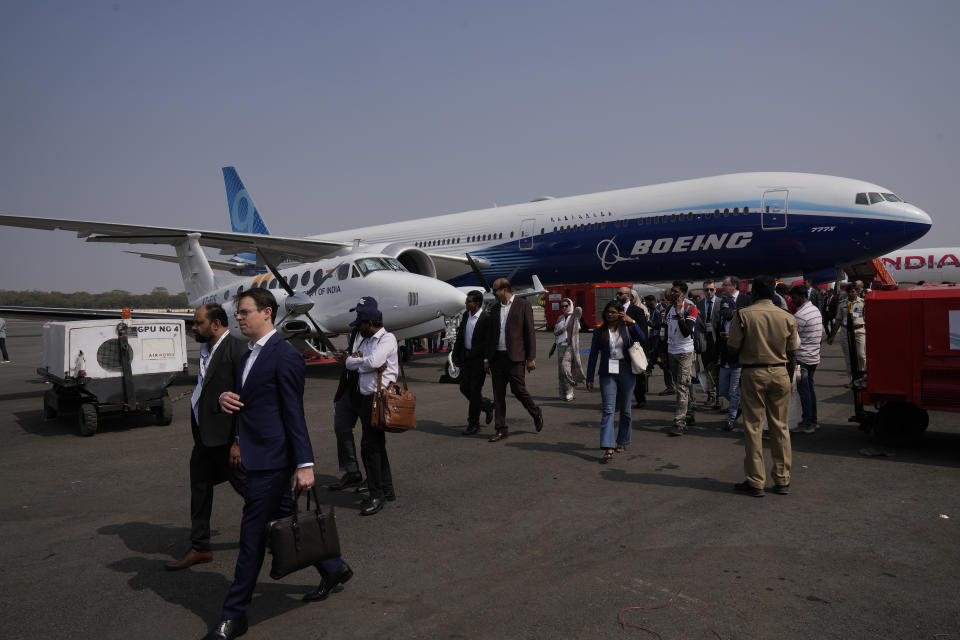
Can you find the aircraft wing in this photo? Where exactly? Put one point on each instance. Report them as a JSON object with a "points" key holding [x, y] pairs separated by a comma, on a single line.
{"points": [[219, 265], [56, 313], [228, 242]]}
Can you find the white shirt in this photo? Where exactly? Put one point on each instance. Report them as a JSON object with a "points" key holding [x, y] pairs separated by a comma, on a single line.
{"points": [[471, 325], [677, 343], [616, 344], [206, 352], [560, 329], [375, 351], [504, 312], [255, 348]]}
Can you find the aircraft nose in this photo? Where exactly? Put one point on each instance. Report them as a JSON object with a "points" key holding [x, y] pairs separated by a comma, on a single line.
{"points": [[918, 222], [447, 299]]}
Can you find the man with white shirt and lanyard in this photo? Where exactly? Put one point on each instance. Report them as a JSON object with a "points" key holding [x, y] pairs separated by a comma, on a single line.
{"points": [[275, 445], [708, 310], [375, 357], [216, 456]]}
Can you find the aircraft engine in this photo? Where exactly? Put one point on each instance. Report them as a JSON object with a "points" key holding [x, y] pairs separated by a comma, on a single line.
{"points": [[414, 259]]}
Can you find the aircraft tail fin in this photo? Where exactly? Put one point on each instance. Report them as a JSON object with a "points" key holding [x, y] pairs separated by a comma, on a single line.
{"points": [[198, 278], [244, 217]]}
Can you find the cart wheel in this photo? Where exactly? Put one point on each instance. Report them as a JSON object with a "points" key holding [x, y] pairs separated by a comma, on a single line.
{"points": [[900, 424], [165, 410], [48, 412], [88, 419]]}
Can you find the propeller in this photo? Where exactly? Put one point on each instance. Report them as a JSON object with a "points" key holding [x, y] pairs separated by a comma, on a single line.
{"points": [[478, 273], [296, 303]]}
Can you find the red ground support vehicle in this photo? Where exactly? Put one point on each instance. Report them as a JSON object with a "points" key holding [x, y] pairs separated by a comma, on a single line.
{"points": [[591, 297], [913, 360]]}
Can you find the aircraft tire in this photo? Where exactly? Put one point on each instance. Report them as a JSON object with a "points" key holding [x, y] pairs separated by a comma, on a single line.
{"points": [[88, 419], [452, 370]]}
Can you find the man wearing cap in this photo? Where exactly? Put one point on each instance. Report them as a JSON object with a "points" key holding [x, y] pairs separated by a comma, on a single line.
{"points": [[378, 350], [346, 411], [850, 316], [511, 352]]}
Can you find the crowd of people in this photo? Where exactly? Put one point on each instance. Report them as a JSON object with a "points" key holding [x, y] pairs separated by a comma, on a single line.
{"points": [[249, 428]]}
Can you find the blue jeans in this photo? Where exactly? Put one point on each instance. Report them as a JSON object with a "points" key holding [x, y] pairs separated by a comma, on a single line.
{"points": [[613, 387], [729, 388], [808, 396]]}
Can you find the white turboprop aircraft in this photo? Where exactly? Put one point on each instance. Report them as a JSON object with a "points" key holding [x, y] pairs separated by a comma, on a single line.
{"points": [[910, 266]]}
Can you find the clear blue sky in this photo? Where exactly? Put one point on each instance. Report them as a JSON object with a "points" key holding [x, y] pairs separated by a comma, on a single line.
{"points": [[339, 114]]}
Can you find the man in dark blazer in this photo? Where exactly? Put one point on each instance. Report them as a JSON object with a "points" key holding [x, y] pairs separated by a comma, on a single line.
{"points": [[468, 352], [815, 295], [511, 352], [276, 451], [624, 299], [708, 313], [731, 287], [216, 456]]}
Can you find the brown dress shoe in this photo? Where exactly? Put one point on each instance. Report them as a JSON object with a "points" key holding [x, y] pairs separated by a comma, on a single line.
{"points": [[498, 436], [189, 559]]}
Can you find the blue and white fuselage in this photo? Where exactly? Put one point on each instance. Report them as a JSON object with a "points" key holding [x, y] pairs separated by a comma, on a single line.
{"points": [[741, 224]]}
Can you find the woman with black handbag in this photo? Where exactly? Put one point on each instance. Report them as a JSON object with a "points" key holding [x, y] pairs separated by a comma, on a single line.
{"points": [[610, 346]]}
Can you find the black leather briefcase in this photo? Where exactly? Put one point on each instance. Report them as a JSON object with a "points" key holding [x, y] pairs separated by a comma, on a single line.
{"points": [[303, 539]]}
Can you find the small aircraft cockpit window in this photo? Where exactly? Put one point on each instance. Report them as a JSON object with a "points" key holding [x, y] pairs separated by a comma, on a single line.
{"points": [[354, 273], [396, 264], [892, 197], [862, 199], [343, 271], [368, 265], [875, 197]]}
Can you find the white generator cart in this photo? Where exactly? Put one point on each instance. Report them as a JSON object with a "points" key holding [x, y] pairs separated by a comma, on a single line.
{"points": [[111, 366]]}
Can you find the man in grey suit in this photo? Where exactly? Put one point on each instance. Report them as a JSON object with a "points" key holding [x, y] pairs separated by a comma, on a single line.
{"points": [[216, 456], [511, 351], [708, 313]]}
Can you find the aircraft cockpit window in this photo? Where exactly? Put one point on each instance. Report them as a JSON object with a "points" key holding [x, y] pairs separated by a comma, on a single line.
{"points": [[892, 197], [862, 199], [343, 271], [368, 265], [396, 264], [875, 197], [354, 273]]}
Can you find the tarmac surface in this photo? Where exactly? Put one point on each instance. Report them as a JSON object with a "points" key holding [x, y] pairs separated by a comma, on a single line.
{"points": [[527, 538]]}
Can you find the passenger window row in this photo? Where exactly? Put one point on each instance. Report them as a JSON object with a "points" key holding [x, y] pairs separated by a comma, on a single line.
{"points": [[440, 242]]}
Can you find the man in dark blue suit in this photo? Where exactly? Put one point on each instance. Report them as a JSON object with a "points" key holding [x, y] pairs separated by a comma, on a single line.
{"points": [[274, 446]]}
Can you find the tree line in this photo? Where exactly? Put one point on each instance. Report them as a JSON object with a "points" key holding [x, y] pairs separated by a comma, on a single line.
{"points": [[158, 298]]}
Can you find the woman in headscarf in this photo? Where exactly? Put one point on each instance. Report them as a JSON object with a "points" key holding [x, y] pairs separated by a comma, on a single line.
{"points": [[567, 332], [611, 345]]}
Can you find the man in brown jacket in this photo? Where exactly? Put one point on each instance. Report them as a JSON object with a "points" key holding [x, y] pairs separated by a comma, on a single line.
{"points": [[511, 352]]}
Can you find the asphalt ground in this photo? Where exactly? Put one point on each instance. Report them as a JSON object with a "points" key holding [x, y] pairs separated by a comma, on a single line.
{"points": [[528, 538]]}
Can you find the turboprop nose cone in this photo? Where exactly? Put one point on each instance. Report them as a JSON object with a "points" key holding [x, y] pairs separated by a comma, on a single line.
{"points": [[447, 299]]}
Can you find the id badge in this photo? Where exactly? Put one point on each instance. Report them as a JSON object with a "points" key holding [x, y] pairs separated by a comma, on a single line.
{"points": [[856, 314], [613, 367]]}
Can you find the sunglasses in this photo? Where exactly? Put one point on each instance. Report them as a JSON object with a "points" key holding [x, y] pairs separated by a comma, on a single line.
{"points": [[710, 289]]}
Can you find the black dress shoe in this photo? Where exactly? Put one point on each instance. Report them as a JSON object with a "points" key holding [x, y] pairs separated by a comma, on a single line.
{"points": [[748, 489], [228, 629], [390, 497], [489, 411], [538, 420], [498, 436], [373, 506], [328, 583], [471, 429], [349, 479]]}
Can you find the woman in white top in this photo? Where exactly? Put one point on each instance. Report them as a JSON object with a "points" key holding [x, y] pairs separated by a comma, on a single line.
{"points": [[610, 346], [567, 331]]}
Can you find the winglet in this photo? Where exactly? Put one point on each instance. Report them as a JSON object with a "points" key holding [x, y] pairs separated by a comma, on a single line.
{"points": [[244, 217]]}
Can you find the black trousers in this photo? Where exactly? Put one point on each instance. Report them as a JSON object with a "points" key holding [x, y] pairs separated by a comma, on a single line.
{"points": [[472, 377], [373, 451], [209, 466], [346, 411]]}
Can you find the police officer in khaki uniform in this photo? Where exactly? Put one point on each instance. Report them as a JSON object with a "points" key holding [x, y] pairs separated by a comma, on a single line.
{"points": [[850, 317], [764, 338]]}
